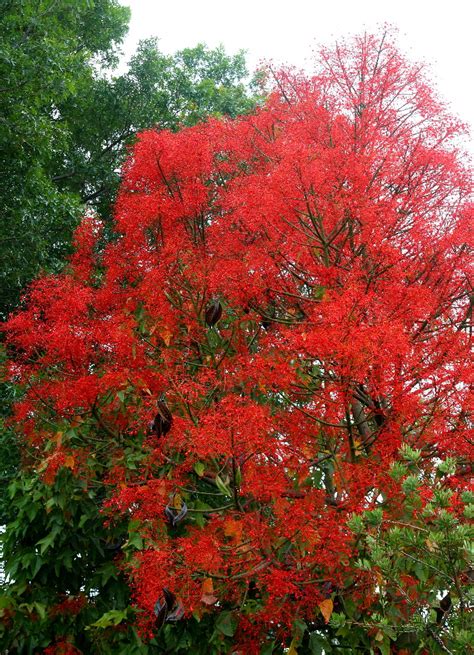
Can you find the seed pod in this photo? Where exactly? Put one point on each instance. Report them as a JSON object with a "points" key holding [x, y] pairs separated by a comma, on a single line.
{"points": [[213, 313], [163, 420], [170, 598], [169, 514], [167, 609], [161, 612], [176, 614], [174, 516]]}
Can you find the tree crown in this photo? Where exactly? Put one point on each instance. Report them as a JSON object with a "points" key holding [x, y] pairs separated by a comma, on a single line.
{"points": [[266, 374]]}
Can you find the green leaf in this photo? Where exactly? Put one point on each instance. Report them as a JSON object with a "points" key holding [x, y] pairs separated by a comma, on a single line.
{"points": [[47, 541], [107, 572], [222, 486], [83, 520], [226, 624], [5, 602], [317, 644], [199, 468], [41, 609], [37, 566], [110, 618], [337, 620], [134, 541], [421, 572], [33, 608], [299, 628], [384, 646]]}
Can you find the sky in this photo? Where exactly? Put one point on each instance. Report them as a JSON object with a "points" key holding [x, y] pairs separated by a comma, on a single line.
{"points": [[438, 33]]}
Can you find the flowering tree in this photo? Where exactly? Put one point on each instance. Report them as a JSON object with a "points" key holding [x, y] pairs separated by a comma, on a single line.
{"points": [[251, 408]]}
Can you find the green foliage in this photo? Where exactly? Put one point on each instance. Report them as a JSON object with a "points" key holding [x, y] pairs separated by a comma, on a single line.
{"points": [[46, 49], [9, 451], [424, 558], [57, 555]]}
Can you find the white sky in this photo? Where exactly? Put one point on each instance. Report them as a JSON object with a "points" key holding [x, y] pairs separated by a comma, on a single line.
{"points": [[434, 31]]}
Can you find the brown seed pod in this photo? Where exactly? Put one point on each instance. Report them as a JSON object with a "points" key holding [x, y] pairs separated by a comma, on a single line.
{"points": [[176, 614], [167, 608], [213, 313], [170, 598], [174, 516], [163, 420], [161, 612]]}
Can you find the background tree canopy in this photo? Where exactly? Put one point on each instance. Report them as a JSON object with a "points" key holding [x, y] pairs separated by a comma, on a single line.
{"points": [[66, 119]]}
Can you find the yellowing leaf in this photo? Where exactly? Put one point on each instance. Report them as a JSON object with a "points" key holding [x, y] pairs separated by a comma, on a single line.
{"points": [[197, 613], [379, 636], [166, 334], [358, 448], [326, 606], [207, 592], [207, 586], [69, 461], [177, 502], [233, 529]]}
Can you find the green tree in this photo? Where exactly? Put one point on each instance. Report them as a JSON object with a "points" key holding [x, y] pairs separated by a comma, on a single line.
{"points": [[47, 50]]}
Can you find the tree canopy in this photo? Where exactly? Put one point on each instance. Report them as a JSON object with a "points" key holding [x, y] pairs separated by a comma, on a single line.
{"points": [[251, 409], [45, 53], [67, 119]]}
